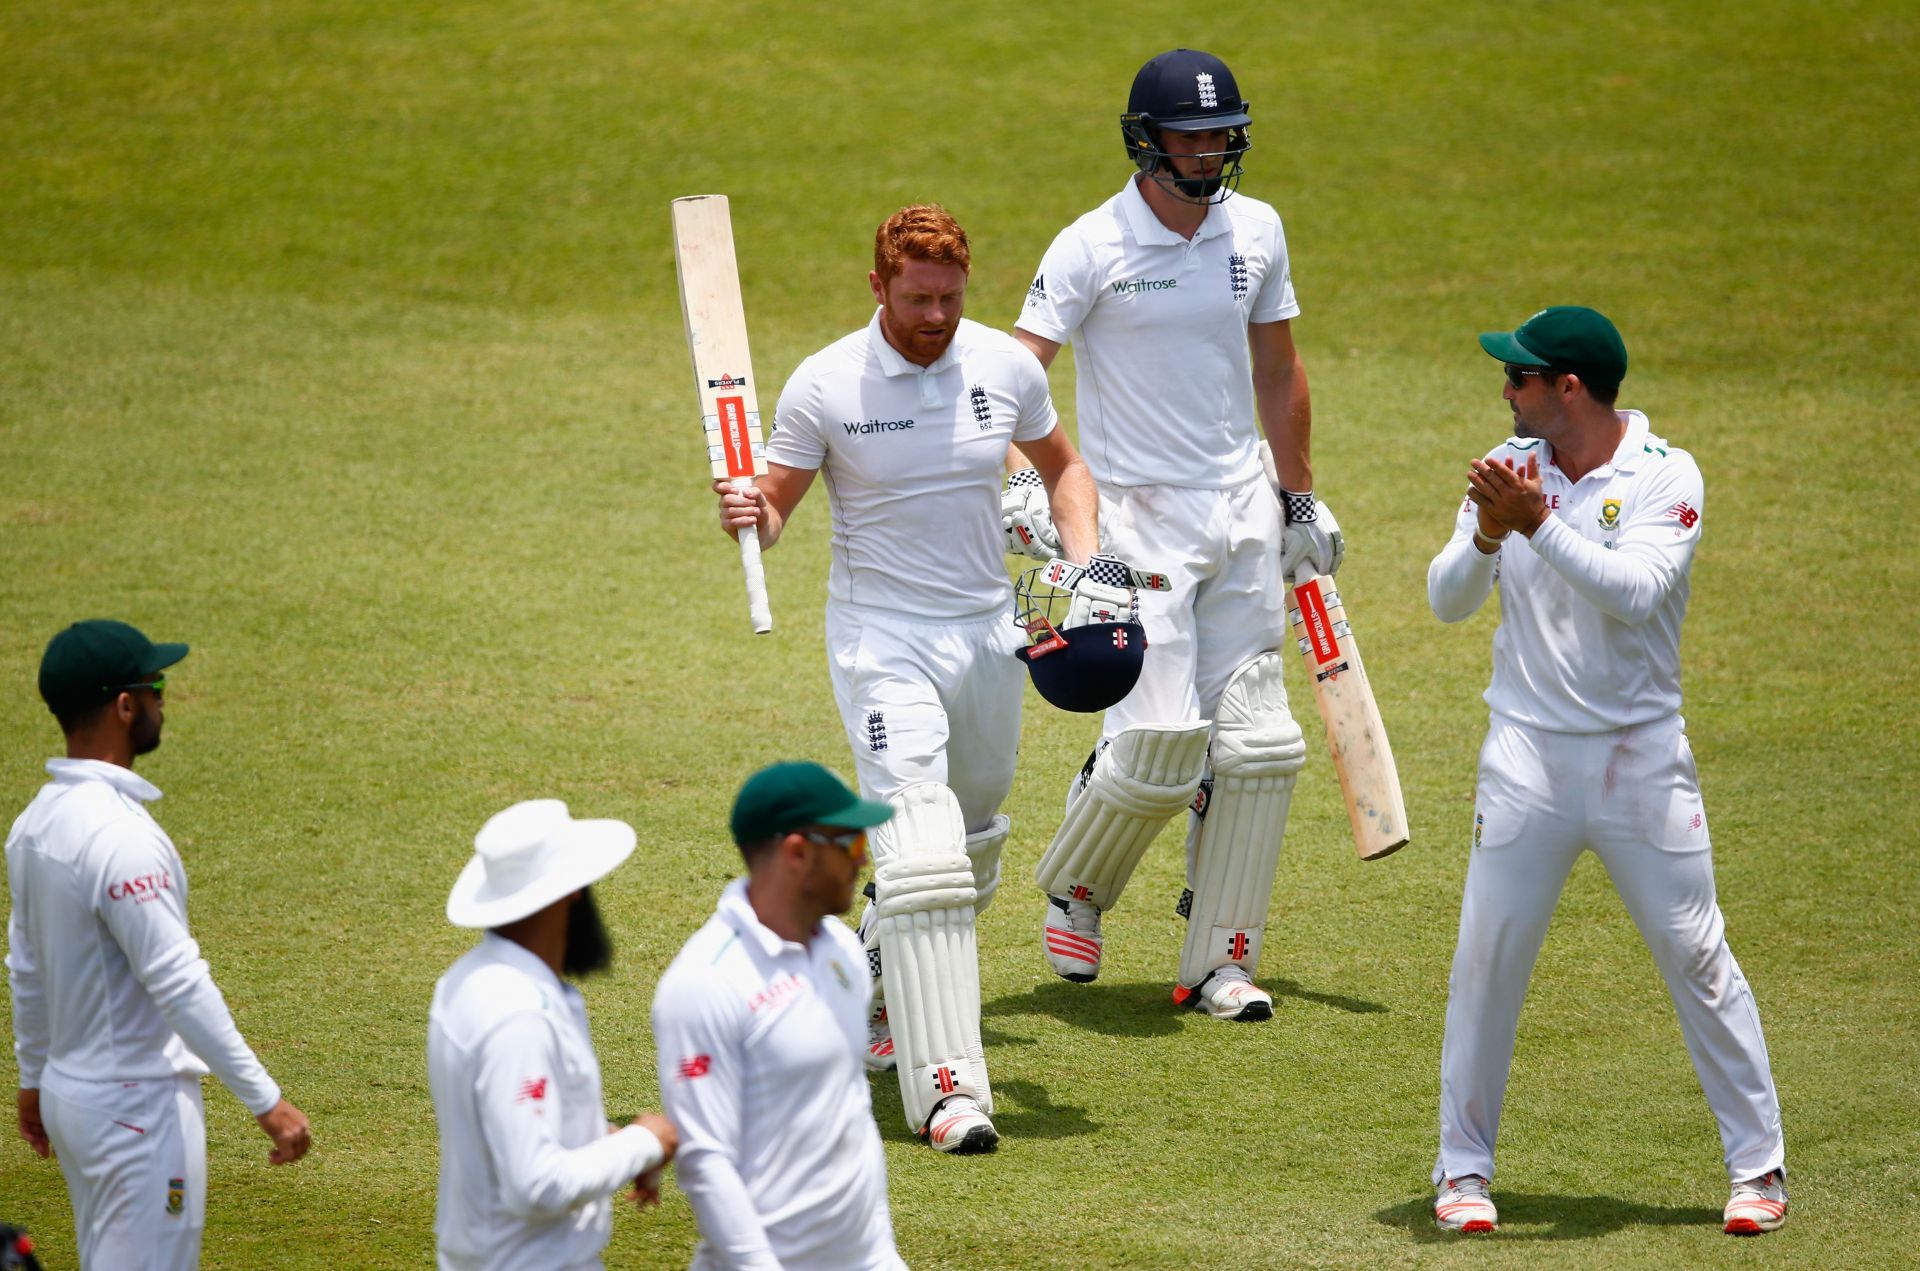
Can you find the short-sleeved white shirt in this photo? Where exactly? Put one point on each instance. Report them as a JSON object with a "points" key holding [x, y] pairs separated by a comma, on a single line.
{"points": [[1158, 325], [912, 457], [1591, 606]]}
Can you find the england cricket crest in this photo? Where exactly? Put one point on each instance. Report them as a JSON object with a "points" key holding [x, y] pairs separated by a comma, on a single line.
{"points": [[176, 1195]]}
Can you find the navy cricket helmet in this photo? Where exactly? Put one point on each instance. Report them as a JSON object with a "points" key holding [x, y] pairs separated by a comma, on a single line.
{"points": [[1185, 90], [1085, 668]]}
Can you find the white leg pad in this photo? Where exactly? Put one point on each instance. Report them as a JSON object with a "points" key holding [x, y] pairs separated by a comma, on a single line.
{"points": [[1138, 783], [1257, 756], [983, 849], [925, 898]]}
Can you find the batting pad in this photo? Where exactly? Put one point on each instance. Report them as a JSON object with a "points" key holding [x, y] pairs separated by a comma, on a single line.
{"points": [[1138, 783], [1257, 756], [925, 895], [983, 850]]}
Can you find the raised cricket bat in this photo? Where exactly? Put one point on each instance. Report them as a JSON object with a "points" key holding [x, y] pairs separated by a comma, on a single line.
{"points": [[1355, 735], [722, 370]]}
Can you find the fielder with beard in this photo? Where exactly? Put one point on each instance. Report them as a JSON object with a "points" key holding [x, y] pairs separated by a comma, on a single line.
{"points": [[115, 1015], [527, 1160], [910, 420]]}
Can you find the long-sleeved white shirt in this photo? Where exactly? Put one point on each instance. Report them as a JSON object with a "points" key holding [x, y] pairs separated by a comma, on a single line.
{"points": [[1591, 605], [760, 1042], [107, 983], [527, 1167]]}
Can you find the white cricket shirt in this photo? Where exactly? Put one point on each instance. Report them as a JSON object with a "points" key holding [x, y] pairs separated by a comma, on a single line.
{"points": [[1591, 605], [527, 1167], [760, 1043], [912, 458], [1158, 325], [107, 983]]}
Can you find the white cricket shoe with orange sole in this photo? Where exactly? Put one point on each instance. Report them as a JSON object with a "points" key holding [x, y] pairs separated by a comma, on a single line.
{"points": [[1228, 993], [958, 1125], [1758, 1205], [1463, 1205]]}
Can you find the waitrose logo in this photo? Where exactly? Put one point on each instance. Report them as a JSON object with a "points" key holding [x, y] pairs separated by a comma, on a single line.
{"points": [[1134, 286]]}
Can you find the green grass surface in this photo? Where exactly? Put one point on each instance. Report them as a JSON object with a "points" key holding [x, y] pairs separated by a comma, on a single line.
{"points": [[341, 340]]}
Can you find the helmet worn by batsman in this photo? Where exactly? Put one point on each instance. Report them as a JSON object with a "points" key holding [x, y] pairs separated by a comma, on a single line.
{"points": [[1185, 90], [1086, 667]]}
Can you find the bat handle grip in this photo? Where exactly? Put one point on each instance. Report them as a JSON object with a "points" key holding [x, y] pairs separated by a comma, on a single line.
{"points": [[757, 607], [1303, 575]]}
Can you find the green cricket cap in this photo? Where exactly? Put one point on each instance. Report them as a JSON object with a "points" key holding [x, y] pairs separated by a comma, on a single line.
{"points": [[789, 795], [90, 661], [1565, 338]]}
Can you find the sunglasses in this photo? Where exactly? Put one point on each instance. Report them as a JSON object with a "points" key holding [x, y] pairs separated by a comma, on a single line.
{"points": [[157, 685], [853, 842], [1517, 375]]}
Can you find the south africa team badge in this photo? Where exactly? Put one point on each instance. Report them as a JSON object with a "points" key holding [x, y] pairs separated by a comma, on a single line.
{"points": [[176, 1195], [1609, 513], [1479, 825]]}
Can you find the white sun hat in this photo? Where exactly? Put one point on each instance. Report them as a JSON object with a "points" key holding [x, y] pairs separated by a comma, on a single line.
{"points": [[529, 856]]}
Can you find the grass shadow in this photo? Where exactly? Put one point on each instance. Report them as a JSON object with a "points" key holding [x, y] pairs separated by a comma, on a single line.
{"points": [[1339, 1001], [1549, 1216], [1116, 1010]]}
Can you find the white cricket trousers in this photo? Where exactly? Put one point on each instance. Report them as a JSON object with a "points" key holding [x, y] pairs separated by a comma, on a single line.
{"points": [[135, 1158], [1633, 797], [1220, 550], [929, 701]]}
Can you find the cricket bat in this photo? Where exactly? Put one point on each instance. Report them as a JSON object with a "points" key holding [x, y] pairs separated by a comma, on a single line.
{"points": [[1355, 735], [722, 370]]}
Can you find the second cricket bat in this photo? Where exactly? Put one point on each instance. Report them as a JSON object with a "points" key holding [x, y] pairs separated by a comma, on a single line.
{"points": [[1361, 755], [722, 371]]}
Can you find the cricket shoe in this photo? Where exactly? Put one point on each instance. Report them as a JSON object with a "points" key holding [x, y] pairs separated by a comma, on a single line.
{"points": [[879, 1056], [1071, 939], [1758, 1205], [958, 1125], [1463, 1205], [1228, 993]]}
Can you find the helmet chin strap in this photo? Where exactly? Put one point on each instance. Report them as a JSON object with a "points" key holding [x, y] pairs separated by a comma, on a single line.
{"points": [[1200, 191]]}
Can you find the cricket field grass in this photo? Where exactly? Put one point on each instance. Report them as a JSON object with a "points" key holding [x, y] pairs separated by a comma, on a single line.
{"points": [[340, 339]]}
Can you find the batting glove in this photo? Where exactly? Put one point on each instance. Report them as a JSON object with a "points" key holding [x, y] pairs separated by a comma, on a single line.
{"points": [[1312, 537], [1027, 518], [1104, 594]]}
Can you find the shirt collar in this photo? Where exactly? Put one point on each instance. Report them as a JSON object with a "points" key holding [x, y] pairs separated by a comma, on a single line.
{"points": [[125, 780], [1149, 232], [1633, 446], [1631, 450], [737, 912], [892, 363]]}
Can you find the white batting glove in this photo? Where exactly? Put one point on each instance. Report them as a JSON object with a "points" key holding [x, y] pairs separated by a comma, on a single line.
{"points": [[1027, 518], [1312, 537], [1104, 594]]}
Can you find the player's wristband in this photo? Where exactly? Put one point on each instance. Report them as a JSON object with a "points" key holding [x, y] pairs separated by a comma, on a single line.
{"points": [[1490, 544], [1298, 507]]}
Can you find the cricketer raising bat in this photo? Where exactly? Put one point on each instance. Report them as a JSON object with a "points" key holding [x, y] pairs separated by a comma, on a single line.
{"points": [[1368, 779], [722, 370]]}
